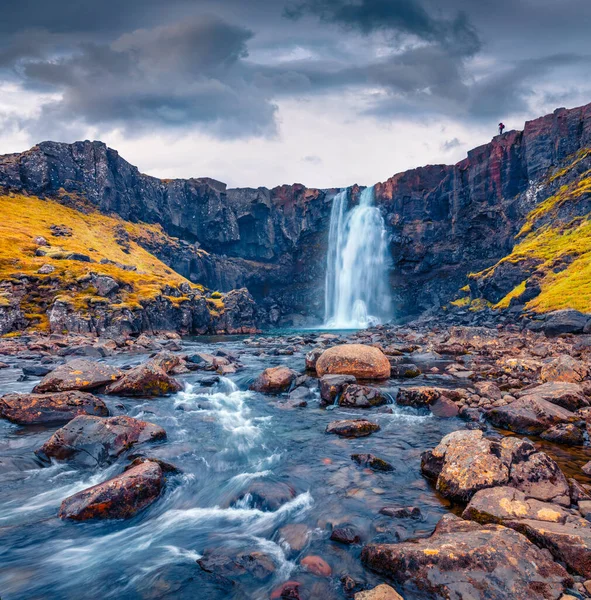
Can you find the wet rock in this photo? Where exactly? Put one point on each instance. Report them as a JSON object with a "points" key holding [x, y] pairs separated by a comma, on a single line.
{"points": [[118, 498], [567, 434], [226, 563], [78, 374], [372, 462], [36, 370], [380, 592], [60, 407], [345, 534], [417, 397], [274, 380], [312, 358], [165, 466], [290, 590], [148, 379], [201, 360], [463, 559], [402, 512], [361, 396], [300, 394], [295, 535], [363, 362], [406, 371], [332, 386], [531, 415], [564, 368], [352, 427], [444, 408], [316, 565], [267, 495], [540, 477], [96, 440], [568, 395]]}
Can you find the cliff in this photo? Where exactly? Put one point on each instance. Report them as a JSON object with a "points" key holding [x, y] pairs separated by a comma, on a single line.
{"points": [[444, 222]]}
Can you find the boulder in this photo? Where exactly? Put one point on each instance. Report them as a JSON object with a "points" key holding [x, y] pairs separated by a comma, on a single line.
{"points": [[372, 462], [444, 408], [564, 433], [332, 386], [352, 427], [274, 380], [96, 440], [363, 362], [361, 396], [149, 379], [464, 559], [564, 368], [564, 321], [78, 374], [312, 358], [267, 495], [345, 534], [295, 535], [316, 565], [418, 396], [531, 415], [381, 592], [568, 395], [118, 498], [229, 563], [60, 407]]}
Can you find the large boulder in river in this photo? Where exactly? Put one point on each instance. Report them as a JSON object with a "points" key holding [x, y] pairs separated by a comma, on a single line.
{"points": [[463, 559], [363, 362], [96, 440], [60, 407], [118, 498], [274, 380], [530, 414], [149, 379], [332, 386], [352, 427], [266, 494], [78, 374]]}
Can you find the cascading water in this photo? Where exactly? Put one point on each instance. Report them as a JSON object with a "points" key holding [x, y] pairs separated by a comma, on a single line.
{"points": [[357, 264]]}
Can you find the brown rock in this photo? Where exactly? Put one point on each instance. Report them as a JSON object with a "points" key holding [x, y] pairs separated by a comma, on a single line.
{"points": [[444, 408], [268, 495], [381, 592], [78, 374], [361, 396], [568, 395], [149, 379], [488, 389], [352, 427], [274, 380], [312, 358], [316, 565], [296, 535], [345, 534], [59, 407], [332, 386], [118, 498], [463, 559], [372, 462], [564, 433], [418, 396], [363, 362], [226, 563], [531, 415], [288, 591], [564, 368], [96, 440]]}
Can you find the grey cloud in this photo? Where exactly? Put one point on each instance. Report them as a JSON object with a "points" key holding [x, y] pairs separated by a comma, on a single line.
{"points": [[451, 145]]}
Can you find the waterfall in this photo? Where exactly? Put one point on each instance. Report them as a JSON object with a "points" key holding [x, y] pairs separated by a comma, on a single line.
{"points": [[356, 293]]}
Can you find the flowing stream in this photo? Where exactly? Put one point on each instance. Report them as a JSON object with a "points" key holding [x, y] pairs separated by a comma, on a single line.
{"points": [[356, 293], [223, 438]]}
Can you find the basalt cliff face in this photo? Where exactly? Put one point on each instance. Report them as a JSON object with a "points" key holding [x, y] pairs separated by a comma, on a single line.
{"points": [[444, 222]]}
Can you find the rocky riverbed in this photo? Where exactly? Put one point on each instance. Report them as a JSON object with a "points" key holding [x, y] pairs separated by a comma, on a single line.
{"points": [[415, 461]]}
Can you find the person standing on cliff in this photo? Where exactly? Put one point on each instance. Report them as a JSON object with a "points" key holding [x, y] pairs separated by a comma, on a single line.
{"points": [[501, 128]]}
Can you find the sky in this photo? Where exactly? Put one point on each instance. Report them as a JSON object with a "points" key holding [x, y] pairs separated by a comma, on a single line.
{"points": [[264, 92]]}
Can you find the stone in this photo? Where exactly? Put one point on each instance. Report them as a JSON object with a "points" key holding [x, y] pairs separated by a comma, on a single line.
{"points": [[105, 285], [488, 389], [274, 380], [564, 368], [372, 462], [531, 415], [444, 408], [295, 535], [361, 396], [149, 379], [312, 358], [228, 563], [59, 407], [121, 497], [352, 427], [332, 386], [402, 512], [78, 374], [316, 565], [564, 321], [36, 370], [568, 395], [267, 495], [564, 433], [417, 397], [464, 559], [380, 592], [98, 440], [46, 269], [361, 361], [345, 534], [287, 591], [404, 371]]}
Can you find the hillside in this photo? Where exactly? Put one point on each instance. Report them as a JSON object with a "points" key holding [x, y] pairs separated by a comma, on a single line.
{"points": [[71, 268]]}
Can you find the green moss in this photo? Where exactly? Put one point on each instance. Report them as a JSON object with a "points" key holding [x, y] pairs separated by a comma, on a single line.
{"points": [[514, 293], [460, 302]]}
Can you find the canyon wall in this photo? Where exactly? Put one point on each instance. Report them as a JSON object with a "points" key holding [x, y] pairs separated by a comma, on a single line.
{"points": [[443, 221]]}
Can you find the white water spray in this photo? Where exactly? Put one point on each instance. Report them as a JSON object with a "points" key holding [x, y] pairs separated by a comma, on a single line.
{"points": [[356, 293]]}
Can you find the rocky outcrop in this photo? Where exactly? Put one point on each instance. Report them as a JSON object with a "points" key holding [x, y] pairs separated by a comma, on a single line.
{"points": [[440, 218]]}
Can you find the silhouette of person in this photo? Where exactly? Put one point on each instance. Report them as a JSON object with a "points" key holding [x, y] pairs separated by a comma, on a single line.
{"points": [[501, 128]]}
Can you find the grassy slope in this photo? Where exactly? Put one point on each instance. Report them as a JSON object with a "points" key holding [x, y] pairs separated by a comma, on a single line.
{"points": [[23, 218]]}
